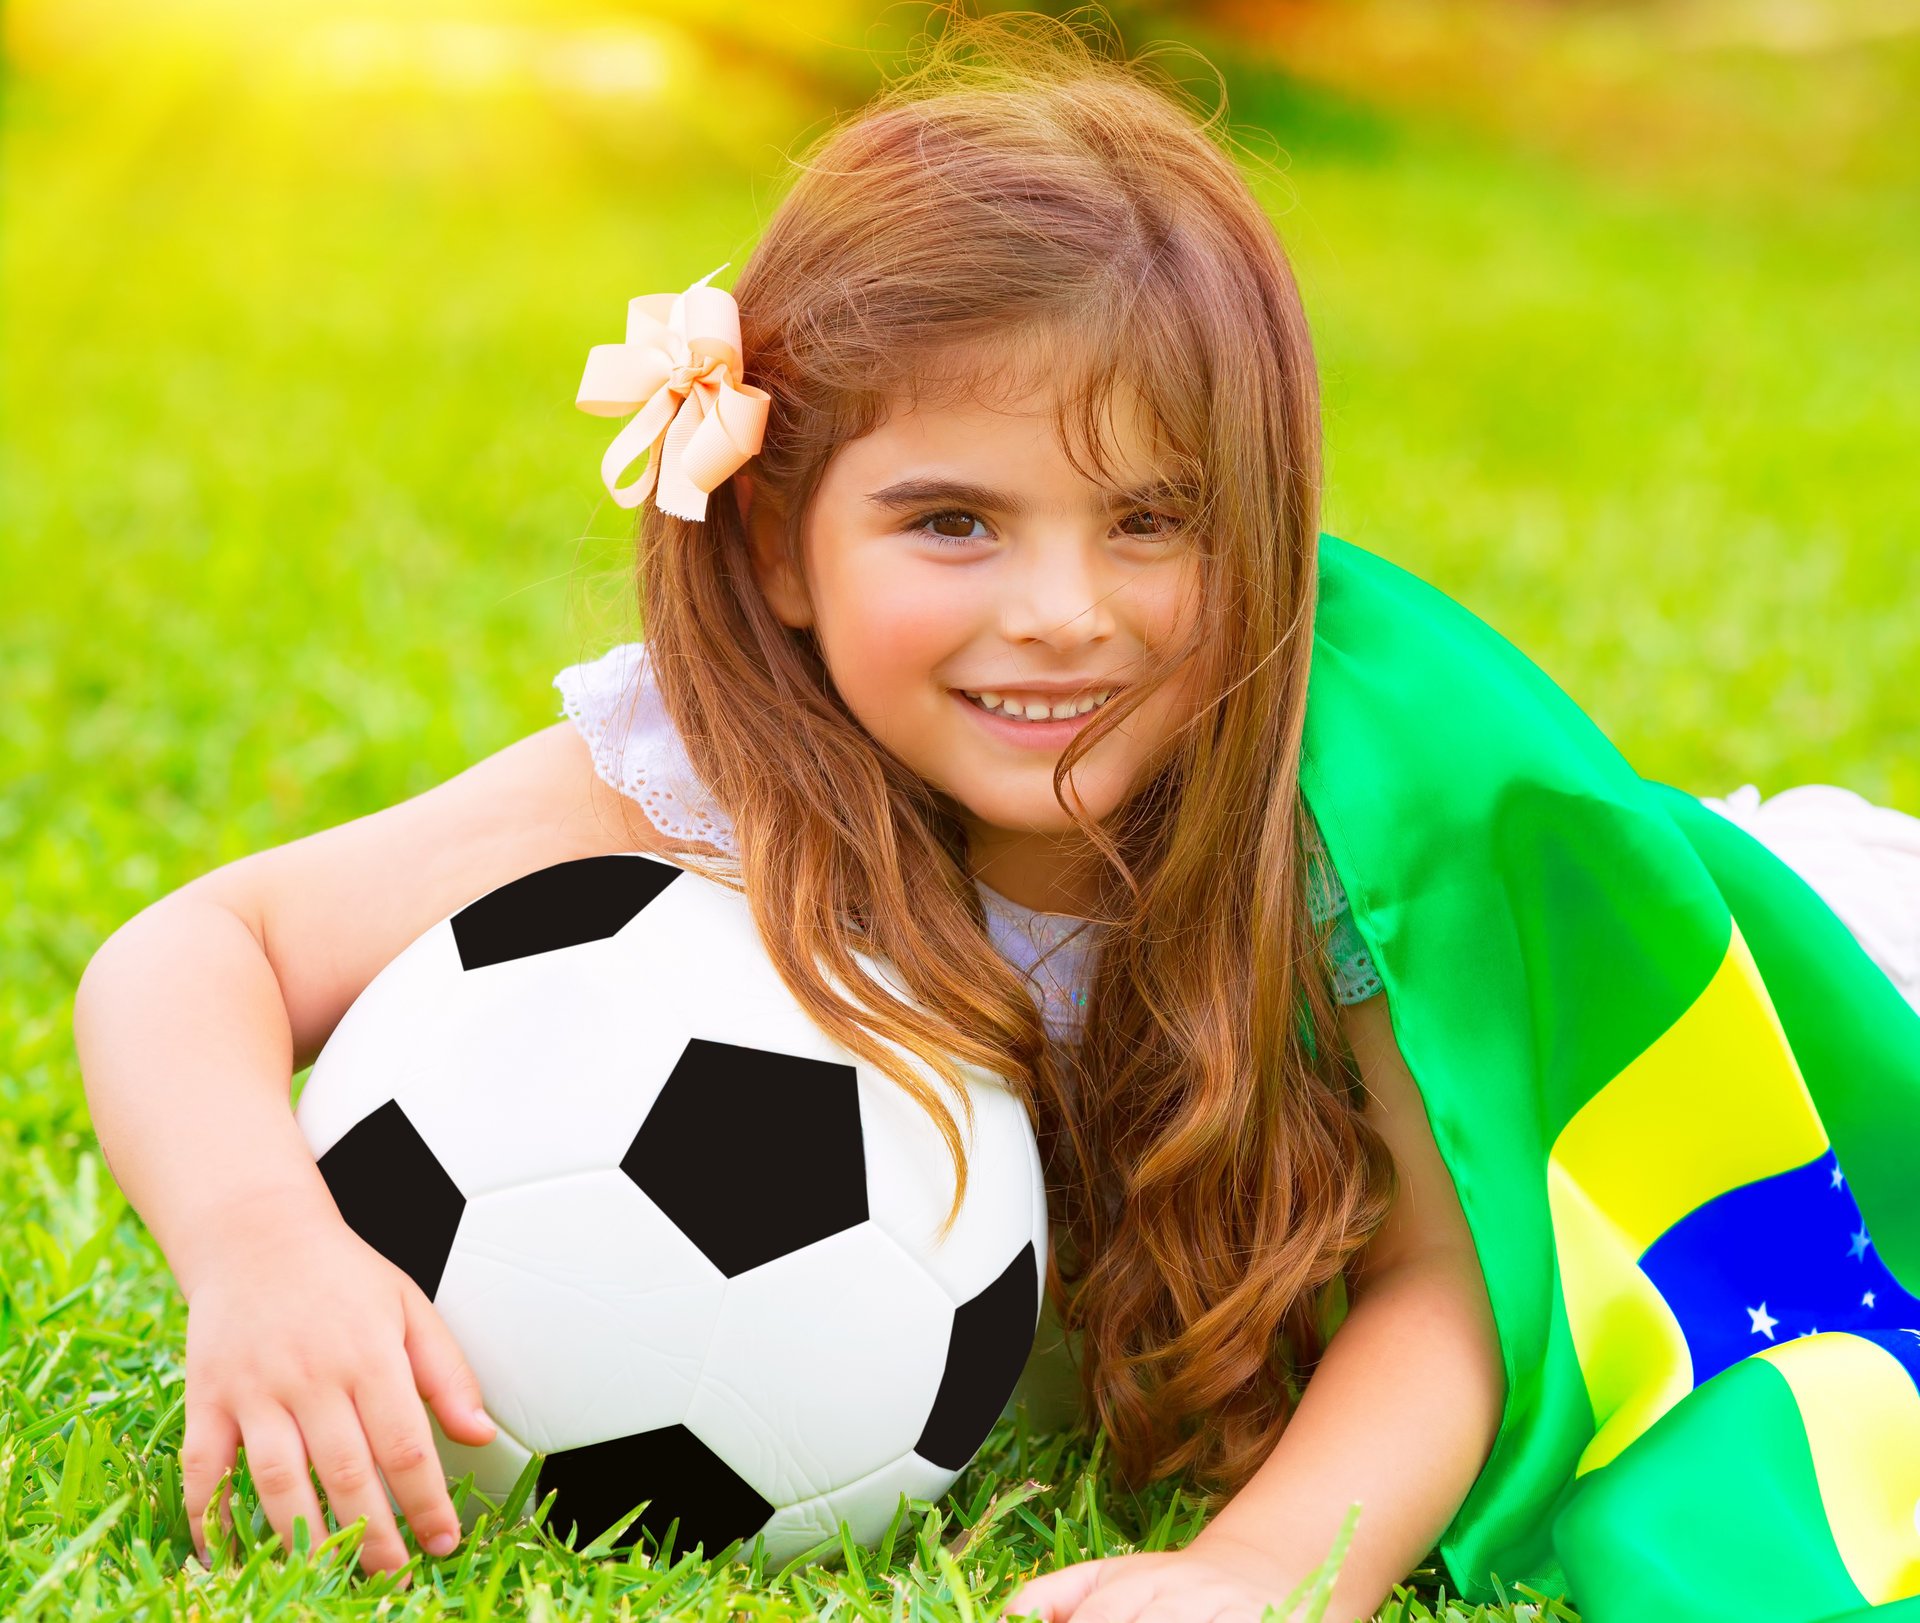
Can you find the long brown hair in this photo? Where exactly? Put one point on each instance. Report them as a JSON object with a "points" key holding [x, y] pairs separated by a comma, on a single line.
{"points": [[1021, 192]]}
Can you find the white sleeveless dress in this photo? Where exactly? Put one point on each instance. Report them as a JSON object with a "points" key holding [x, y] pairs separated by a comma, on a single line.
{"points": [[1863, 859]]}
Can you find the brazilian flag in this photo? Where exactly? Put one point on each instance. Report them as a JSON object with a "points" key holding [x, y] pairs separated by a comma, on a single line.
{"points": [[1681, 1108]]}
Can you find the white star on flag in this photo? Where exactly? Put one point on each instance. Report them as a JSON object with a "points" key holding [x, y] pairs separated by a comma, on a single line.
{"points": [[1763, 1321], [1857, 1248], [1867, 1300], [1839, 1178]]}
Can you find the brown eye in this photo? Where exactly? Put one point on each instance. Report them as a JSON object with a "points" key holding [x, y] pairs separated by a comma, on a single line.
{"points": [[1162, 523], [958, 521]]}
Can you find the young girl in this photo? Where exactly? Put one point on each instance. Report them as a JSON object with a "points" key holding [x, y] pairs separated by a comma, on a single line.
{"points": [[1317, 991]]}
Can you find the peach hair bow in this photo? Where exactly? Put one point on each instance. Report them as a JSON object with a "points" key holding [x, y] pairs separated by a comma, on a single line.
{"points": [[679, 370]]}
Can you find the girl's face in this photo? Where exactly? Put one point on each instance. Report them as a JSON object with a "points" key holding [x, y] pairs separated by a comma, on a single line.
{"points": [[955, 550]]}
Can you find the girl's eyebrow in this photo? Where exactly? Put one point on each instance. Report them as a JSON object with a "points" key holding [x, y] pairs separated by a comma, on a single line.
{"points": [[907, 494]]}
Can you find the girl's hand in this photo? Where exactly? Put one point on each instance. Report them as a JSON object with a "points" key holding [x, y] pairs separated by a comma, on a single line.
{"points": [[302, 1340], [1207, 1582]]}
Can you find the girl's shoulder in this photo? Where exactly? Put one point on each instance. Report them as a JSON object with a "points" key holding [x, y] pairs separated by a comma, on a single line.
{"points": [[615, 704]]}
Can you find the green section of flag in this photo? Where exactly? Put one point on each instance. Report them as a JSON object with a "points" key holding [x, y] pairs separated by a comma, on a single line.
{"points": [[1726, 1476], [1540, 916]]}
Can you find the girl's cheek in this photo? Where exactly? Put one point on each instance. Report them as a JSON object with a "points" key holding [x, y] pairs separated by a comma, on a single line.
{"points": [[908, 625], [886, 648]]}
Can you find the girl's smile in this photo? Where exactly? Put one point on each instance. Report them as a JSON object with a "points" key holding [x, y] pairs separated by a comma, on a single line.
{"points": [[1050, 733]]}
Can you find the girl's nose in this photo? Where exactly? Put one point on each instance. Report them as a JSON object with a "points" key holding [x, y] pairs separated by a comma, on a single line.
{"points": [[1060, 593]]}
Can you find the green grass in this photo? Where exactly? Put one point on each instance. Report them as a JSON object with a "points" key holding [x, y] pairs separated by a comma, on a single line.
{"points": [[299, 518]]}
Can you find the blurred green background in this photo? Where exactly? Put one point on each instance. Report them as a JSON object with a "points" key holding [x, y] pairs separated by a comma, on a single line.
{"points": [[1616, 308], [1615, 304]]}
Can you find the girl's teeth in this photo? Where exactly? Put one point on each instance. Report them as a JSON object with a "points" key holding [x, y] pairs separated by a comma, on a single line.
{"points": [[1039, 710]]}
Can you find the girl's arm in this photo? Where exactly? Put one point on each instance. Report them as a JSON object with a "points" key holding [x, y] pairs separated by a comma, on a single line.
{"points": [[1401, 1412], [1399, 1415], [192, 1017], [302, 1342]]}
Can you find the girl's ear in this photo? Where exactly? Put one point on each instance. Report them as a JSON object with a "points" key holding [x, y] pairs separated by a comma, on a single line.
{"points": [[779, 583]]}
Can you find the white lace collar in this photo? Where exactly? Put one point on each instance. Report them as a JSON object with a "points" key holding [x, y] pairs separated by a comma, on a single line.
{"points": [[615, 702]]}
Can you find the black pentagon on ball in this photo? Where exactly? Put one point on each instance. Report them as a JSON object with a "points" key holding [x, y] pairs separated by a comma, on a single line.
{"points": [[395, 1194], [678, 1474], [991, 1339], [753, 1154], [566, 905]]}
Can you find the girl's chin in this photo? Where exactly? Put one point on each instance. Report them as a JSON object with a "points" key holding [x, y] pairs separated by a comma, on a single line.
{"points": [[1012, 790], [1041, 816]]}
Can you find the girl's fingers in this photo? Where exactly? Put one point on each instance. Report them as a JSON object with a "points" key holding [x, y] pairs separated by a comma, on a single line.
{"points": [[1056, 1596], [331, 1426], [396, 1425], [277, 1461], [1126, 1597], [206, 1451], [1204, 1603], [442, 1374]]}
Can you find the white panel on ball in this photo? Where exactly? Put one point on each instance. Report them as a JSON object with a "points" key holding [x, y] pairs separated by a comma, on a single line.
{"points": [[728, 991], [548, 1065], [910, 1179], [793, 1528], [867, 1506], [862, 1345], [584, 1312], [389, 1031]]}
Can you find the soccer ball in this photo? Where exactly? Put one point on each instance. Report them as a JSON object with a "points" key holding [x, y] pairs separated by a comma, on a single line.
{"points": [[686, 1242]]}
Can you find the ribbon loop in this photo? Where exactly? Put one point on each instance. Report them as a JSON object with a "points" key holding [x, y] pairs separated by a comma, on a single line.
{"points": [[678, 371]]}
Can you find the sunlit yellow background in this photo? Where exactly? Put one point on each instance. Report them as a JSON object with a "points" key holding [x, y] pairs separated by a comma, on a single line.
{"points": [[1616, 306]]}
